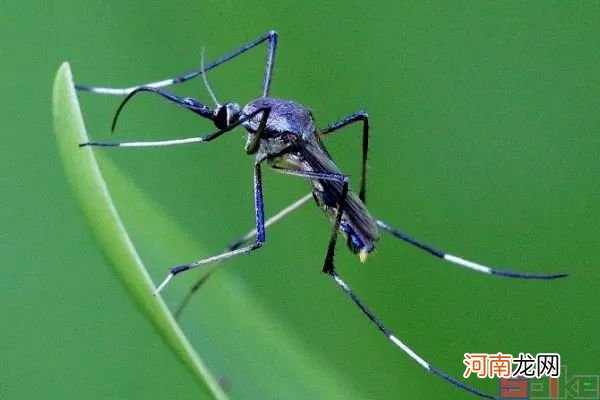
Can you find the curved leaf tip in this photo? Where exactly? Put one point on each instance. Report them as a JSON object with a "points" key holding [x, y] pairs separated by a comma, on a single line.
{"points": [[92, 196]]}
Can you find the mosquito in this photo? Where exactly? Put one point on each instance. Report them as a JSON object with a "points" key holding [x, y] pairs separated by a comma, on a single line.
{"points": [[284, 134]]}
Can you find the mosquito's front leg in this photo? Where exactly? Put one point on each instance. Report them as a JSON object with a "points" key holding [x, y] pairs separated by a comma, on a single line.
{"points": [[270, 36]]}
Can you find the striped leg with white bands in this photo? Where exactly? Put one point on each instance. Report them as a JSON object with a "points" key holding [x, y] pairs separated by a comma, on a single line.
{"points": [[338, 280], [236, 245], [461, 261], [161, 143], [276, 217], [177, 142], [271, 37]]}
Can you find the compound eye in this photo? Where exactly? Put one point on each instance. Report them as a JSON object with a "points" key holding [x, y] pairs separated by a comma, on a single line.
{"points": [[221, 117], [226, 115]]}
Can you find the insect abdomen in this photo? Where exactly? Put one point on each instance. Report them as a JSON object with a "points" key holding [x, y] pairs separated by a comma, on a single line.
{"points": [[357, 225], [355, 243]]}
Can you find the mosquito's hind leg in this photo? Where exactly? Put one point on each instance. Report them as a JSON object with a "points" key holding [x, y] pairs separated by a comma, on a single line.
{"points": [[485, 269], [329, 269], [356, 117], [400, 344], [328, 266], [271, 37]]}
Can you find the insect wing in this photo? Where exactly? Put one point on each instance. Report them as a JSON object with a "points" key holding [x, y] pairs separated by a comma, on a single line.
{"points": [[327, 192]]}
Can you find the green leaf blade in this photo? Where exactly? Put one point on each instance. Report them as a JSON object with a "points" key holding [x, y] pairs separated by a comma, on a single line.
{"points": [[91, 193]]}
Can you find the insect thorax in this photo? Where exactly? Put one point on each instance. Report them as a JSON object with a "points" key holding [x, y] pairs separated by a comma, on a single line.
{"points": [[288, 122]]}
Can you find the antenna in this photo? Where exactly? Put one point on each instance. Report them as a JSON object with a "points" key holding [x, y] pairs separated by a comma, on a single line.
{"points": [[210, 91]]}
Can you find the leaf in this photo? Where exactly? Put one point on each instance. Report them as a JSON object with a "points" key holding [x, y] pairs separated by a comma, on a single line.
{"points": [[93, 197]]}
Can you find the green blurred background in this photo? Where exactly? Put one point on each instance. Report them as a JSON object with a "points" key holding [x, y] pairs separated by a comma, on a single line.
{"points": [[485, 120]]}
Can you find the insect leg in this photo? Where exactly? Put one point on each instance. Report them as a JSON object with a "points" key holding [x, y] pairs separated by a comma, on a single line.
{"points": [[329, 268], [281, 214], [356, 117], [328, 263], [260, 235], [258, 207], [271, 37], [236, 245], [328, 176], [175, 142], [397, 342], [461, 261]]}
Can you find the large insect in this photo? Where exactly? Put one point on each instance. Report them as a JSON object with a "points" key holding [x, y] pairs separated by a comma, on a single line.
{"points": [[283, 134]]}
